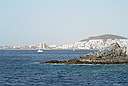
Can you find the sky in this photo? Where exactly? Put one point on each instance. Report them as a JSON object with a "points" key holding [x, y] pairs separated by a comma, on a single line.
{"points": [[60, 21]]}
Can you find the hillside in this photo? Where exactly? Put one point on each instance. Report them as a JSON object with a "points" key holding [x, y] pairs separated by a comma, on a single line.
{"points": [[104, 37]]}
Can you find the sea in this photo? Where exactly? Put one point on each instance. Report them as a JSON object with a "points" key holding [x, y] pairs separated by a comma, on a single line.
{"points": [[23, 68]]}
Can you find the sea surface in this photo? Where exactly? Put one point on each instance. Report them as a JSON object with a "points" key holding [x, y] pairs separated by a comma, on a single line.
{"points": [[23, 68]]}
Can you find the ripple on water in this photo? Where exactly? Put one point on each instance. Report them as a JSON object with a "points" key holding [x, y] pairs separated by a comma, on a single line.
{"points": [[17, 70]]}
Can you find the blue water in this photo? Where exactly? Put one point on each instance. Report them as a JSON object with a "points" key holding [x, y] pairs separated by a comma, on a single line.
{"points": [[22, 68]]}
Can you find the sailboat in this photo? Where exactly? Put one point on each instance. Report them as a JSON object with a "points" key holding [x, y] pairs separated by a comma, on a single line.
{"points": [[40, 51], [42, 46]]}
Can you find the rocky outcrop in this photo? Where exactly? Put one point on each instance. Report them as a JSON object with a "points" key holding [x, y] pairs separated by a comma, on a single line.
{"points": [[114, 54], [114, 50]]}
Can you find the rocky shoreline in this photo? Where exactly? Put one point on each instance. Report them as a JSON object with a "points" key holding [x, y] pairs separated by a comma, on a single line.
{"points": [[113, 54], [77, 61]]}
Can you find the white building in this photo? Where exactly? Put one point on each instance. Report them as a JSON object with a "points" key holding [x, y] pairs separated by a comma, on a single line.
{"points": [[94, 44]]}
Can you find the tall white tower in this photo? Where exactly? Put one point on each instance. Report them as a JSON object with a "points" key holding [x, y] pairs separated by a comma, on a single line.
{"points": [[42, 46]]}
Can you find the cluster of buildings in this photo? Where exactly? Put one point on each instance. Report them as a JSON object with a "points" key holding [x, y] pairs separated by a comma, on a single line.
{"points": [[94, 44], [26, 47], [87, 44]]}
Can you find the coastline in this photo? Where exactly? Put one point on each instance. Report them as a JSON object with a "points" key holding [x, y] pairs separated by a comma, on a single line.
{"points": [[86, 62], [115, 54]]}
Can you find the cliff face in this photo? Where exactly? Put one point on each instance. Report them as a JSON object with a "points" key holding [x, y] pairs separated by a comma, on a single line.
{"points": [[114, 50], [114, 54]]}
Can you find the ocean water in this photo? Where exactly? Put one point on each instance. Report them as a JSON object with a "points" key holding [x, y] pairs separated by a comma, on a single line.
{"points": [[22, 68]]}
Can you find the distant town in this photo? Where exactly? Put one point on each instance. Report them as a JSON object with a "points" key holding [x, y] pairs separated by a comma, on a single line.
{"points": [[96, 42]]}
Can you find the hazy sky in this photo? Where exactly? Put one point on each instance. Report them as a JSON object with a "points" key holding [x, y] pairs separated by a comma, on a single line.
{"points": [[56, 21]]}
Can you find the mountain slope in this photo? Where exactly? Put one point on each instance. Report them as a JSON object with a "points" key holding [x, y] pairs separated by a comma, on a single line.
{"points": [[104, 37]]}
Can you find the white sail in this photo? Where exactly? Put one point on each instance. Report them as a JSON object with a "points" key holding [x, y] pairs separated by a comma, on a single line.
{"points": [[40, 51]]}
